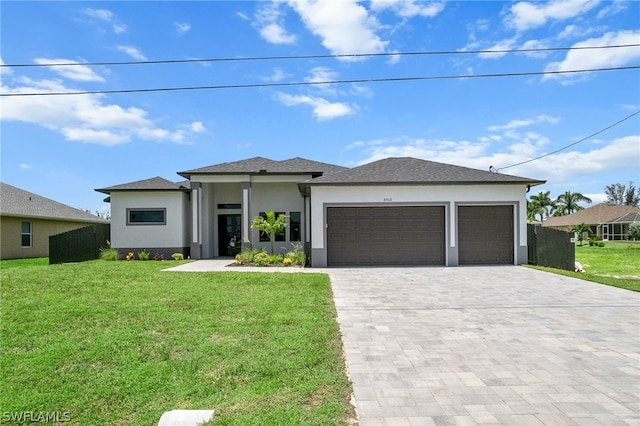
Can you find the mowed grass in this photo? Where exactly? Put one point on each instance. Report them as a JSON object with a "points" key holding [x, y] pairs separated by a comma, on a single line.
{"points": [[121, 342], [616, 264]]}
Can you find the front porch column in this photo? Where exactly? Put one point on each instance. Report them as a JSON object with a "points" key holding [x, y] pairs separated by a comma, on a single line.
{"points": [[246, 215], [196, 220]]}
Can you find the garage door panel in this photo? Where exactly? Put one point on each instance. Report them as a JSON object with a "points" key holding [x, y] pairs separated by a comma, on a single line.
{"points": [[385, 236], [485, 235]]}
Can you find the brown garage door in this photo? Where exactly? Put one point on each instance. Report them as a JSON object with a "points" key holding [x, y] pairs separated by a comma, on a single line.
{"points": [[358, 236], [485, 235]]}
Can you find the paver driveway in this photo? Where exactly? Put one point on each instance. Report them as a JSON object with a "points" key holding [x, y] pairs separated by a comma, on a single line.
{"points": [[488, 345]]}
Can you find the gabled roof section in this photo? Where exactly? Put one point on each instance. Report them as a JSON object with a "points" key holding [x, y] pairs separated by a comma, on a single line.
{"points": [[18, 202], [261, 165], [596, 215], [154, 184], [406, 170]]}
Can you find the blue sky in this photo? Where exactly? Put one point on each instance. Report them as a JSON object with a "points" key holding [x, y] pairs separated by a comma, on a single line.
{"points": [[63, 147]]}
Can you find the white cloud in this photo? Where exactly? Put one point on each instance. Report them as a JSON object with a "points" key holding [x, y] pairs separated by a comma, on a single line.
{"points": [[106, 16], [565, 166], [134, 52], [26, 166], [344, 26], [197, 127], [613, 8], [514, 124], [102, 14], [598, 58], [84, 118], [270, 23], [182, 27], [507, 44], [322, 109], [242, 16], [278, 75], [72, 72], [527, 15], [409, 8]]}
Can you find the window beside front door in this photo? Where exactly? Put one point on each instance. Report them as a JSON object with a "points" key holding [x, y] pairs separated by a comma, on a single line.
{"points": [[294, 227], [25, 229]]}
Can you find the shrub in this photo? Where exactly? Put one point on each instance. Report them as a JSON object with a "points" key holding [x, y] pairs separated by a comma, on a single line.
{"points": [[158, 256], [600, 243], [286, 261], [634, 231], [246, 256], [108, 253], [261, 259], [177, 256], [143, 255], [297, 255], [275, 259], [129, 256]]}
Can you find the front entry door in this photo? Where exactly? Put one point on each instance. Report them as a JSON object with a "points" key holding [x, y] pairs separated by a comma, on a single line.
{"points": [[229, 234]]}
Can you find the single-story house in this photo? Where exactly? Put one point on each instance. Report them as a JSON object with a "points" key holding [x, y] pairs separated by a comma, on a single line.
{"points": [[395, 211], [607, 221], [27, 220]]}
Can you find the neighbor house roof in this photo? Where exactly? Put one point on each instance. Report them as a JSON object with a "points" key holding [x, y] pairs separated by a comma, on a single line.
{"points": [[261, 165], [20, 203], [154, 184], [628, 218], [598, 214], [406, 170]]}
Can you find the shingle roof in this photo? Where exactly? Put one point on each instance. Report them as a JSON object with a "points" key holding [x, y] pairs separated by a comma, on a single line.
{"points": [[18, 202], [628, 218], [405, 170], [259, 165], [598, 214], [154, 184]]}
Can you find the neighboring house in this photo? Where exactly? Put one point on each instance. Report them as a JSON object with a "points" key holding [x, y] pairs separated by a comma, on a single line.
{"points": [[28, 220], [396, 211], [607, 221]]}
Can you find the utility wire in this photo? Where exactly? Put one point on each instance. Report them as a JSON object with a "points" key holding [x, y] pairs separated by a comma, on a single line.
{"points": [[308, 83], [343, 56], [570, 145]]}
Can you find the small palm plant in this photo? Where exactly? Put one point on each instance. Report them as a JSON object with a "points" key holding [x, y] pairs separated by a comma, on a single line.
{"points": [[270, 225], [581, 230]]}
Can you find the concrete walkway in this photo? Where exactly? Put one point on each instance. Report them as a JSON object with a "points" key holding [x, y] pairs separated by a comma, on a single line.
{"points": [[484, 345]]}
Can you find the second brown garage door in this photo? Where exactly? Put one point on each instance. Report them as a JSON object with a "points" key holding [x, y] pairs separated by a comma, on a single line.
{"points": [[485, 235], [369, 236]]}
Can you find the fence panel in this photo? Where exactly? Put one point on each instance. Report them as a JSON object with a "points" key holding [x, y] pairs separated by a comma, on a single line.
{"points": [[78, 245], [551, 248]]}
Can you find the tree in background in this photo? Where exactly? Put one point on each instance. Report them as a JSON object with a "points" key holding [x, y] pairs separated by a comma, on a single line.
{"points": [[541, 204], [581, 230], [620, 194], [567, 203], [634, 231]]}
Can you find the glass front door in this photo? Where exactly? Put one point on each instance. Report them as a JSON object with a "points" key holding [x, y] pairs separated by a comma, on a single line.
{"points": [[229, 234]]}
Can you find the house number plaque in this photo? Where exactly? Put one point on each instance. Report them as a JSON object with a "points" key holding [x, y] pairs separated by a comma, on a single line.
{"points": [[388, 199]]}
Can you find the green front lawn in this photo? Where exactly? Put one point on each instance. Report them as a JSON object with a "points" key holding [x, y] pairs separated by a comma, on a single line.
{"points": [[121, 342], [616, 264]]}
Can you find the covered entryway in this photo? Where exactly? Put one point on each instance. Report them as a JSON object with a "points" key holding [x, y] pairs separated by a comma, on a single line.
{"points": [[485, 235], [370, 236]]}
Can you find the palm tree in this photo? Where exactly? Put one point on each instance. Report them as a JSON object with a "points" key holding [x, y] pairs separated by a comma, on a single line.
{"points": [[270, 225], [544, 203], [533, 209], [581, 229], [567, 203]]}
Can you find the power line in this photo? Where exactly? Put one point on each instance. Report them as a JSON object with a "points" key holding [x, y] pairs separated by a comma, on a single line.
{"points": [[309, 83], [570, 145], [341, 56]]}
